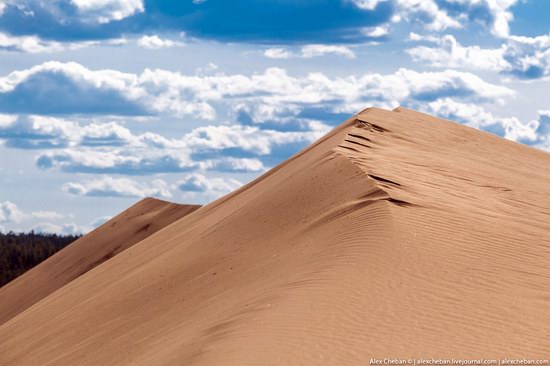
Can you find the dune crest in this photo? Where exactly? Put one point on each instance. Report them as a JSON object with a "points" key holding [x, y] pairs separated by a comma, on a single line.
{"points": [[116, 235], [397, 235]]}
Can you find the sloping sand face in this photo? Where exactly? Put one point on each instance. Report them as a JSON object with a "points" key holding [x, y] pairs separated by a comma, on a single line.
{"points": [[398, 235], [118, 234]]}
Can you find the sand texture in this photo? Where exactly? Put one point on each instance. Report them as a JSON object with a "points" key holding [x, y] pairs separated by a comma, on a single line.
{"points": [[116, 235], [396, 235]]}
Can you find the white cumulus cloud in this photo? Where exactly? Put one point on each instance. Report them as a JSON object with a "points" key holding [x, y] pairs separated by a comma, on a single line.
{"points": [[105, 11], [376, 32], [476, 116], [246, 138], [450, 53], [442, 15], [522, 57], [278, 52], [529, 57], [198, 184], [310, 51], [30, 44], [367, 4], [118, 187], [316, 50], [52, 215], [66, 229], [437, 18], [155, 42], [9, 212]]}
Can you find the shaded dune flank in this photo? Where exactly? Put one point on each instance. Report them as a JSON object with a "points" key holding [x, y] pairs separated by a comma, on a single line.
{"points": [[116, 235], [396, 235]]}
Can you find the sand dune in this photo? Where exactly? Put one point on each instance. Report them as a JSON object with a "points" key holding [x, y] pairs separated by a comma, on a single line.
{"points": [[118, 234], [396, 235]]}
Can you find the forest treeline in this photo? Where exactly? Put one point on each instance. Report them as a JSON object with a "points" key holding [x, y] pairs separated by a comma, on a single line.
{"points": [[20, 252]]}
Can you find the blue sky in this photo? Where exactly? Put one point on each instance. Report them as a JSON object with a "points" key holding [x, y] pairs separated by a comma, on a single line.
{"points": [[103, 102]]}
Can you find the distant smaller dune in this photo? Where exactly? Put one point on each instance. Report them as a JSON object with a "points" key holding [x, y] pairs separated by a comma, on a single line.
{"points": [[116, 235]]}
